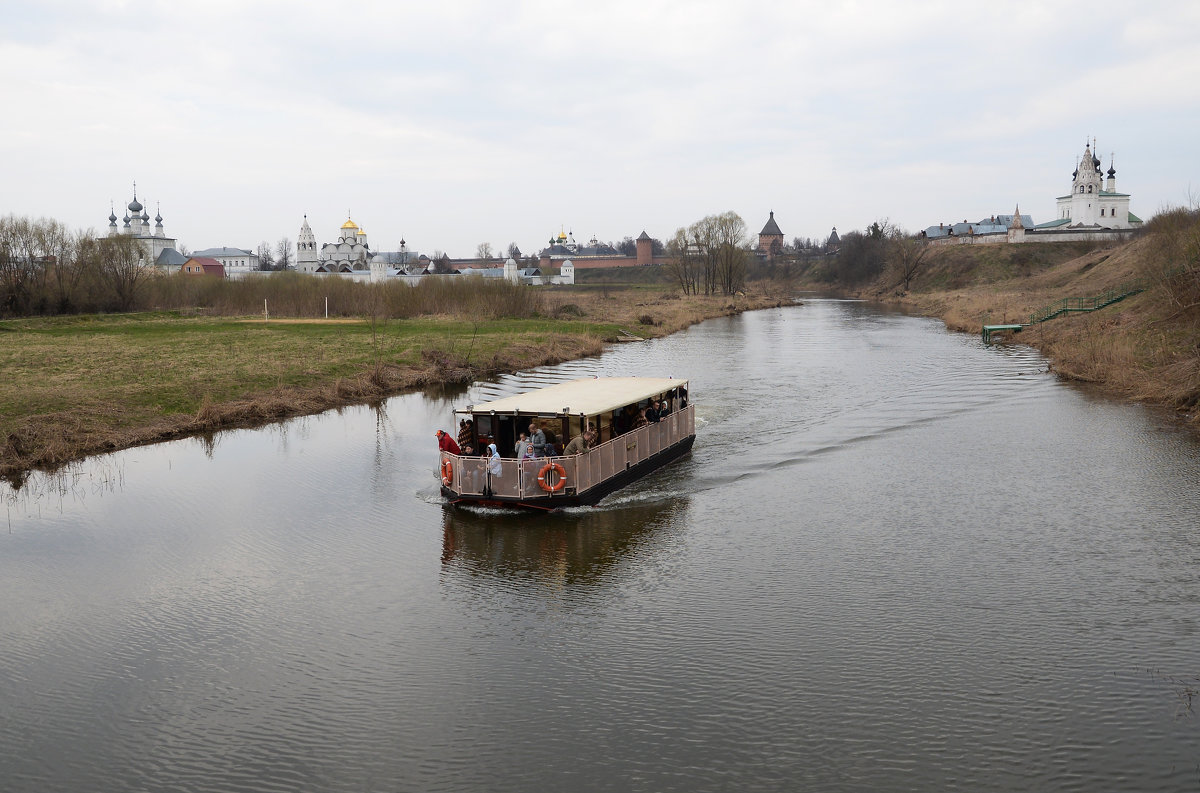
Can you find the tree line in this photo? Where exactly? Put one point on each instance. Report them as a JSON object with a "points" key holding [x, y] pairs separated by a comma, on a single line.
{"points": [[47, 268], [883, 253], [711, 255]]}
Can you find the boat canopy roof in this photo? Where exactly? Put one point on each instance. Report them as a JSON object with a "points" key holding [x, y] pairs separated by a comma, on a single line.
{"points": [[590, 396]]}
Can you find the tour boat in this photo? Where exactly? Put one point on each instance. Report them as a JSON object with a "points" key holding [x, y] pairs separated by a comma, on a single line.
{"points": [[626, 447]]}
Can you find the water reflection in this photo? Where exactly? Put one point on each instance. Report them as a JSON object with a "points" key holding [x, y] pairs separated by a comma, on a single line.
{"points": [[571, 547]]}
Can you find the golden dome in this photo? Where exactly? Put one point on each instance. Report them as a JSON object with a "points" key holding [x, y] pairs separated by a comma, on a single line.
{"points": [[362, 232], [349, 224]]}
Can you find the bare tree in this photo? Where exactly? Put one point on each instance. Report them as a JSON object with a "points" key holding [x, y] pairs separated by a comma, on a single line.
{"points": [[121, 268], [732, 253], [712, 251], [514, 252], [683, 262], [58, 249], [17, 265], [440, 262], [906, 256], [265, 260], [483, 252], [283, 254]]}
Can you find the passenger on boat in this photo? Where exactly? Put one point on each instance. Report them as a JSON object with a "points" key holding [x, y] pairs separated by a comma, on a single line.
{"points": [[580, 443], [494, 466], [522, 445], [641, 419], [466, 436], [446, 443], [529, 467], [652, 411], [537, 439]]}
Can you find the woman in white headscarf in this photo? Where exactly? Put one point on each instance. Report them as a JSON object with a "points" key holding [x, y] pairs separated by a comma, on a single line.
{"points": [[494, 467]]}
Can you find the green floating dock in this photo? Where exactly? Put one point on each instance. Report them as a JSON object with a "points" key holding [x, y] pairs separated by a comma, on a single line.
{"points": [[988, 330]]}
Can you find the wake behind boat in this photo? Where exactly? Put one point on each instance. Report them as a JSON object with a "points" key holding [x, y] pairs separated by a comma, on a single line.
{"points": [[620, 429]]}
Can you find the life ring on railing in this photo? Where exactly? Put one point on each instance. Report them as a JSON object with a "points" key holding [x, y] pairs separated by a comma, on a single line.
{"points": [[447, 473], [557, 485]]}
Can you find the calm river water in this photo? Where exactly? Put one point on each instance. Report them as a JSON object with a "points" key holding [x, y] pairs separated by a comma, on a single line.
{"points": [[895, 560]]}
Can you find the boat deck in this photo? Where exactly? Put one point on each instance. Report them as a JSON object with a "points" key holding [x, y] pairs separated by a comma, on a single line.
{"points": [[585, 478]]}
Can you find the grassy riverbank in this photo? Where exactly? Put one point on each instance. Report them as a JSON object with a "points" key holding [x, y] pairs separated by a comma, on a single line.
{"points": [[79, 385], [1146, 347]]}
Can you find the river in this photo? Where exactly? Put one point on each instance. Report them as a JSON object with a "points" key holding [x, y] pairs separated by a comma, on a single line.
{"points": [[895, 560]]}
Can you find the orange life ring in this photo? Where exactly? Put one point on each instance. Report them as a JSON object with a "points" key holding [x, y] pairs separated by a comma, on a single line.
{"points": [[558, 485], [447, 472]]}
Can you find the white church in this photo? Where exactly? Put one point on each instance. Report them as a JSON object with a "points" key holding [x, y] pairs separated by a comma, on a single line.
{"points": [[349, 254], [1092, 210], [1093, 203], [160, 249]]}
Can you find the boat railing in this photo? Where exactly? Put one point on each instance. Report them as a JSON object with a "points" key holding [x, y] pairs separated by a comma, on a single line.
{"points": [[471, 476]]}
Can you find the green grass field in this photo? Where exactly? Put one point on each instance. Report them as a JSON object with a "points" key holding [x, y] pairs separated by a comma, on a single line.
{"points": [[129, 371]]}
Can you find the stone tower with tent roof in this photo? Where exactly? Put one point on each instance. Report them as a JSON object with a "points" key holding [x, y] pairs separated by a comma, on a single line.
{"points": [[307, 258], [645, 249], [770, 239]]}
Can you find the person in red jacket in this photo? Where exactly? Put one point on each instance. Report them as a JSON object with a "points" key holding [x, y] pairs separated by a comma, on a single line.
{"points": [[446, 443]]}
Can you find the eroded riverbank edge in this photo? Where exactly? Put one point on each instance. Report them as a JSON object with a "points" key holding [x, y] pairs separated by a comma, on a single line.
{"points": [[1125, 351], [50, 441]]}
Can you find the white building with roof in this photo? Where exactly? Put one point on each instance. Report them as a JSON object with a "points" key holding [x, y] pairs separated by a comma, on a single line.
{"points": [[1092, 203], [1092, 210], [236, 261]]}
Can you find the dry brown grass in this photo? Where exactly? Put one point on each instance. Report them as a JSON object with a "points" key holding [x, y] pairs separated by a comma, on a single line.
{"points": [[1146, 347]]}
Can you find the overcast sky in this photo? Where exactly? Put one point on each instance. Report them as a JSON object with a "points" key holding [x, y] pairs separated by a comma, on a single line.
{"points": [[455, 123]]}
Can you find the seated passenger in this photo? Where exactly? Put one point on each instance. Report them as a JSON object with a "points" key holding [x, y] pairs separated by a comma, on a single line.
{"points": [[652, 412]]}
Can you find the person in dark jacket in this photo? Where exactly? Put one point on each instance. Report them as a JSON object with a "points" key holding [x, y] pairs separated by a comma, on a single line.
{"points": [[537, 439], [652, 412]]}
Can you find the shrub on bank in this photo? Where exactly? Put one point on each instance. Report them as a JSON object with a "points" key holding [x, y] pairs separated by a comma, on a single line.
{"points": [[305, 296], [1174, 258]]}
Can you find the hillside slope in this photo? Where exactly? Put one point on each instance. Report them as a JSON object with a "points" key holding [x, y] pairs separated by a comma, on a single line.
{"points": [[1146, 347]]}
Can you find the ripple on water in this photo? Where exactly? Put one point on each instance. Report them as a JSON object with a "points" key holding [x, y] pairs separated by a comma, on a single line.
{"points": [[894, 559]]}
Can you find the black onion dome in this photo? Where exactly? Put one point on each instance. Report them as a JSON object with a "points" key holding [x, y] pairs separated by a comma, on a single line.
{"points": [[135, 206]]}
